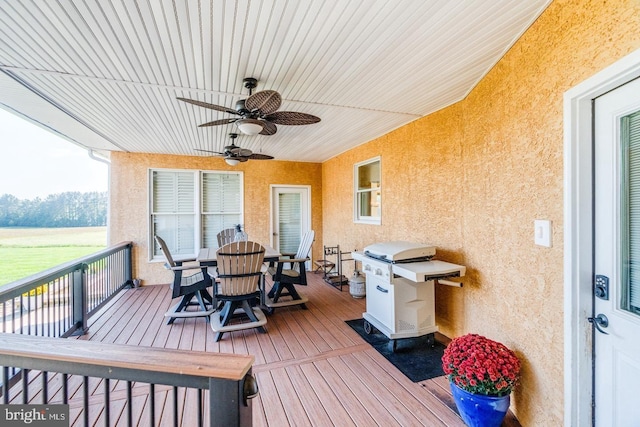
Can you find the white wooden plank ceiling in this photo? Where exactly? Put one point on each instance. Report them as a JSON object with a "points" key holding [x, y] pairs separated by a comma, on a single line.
{"points": [[106, 73]]}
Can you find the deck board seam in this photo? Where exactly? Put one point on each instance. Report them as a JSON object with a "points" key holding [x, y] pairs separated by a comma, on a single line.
{"points": [[311, 359]]}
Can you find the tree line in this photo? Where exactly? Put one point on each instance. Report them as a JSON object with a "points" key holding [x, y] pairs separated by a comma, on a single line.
{"points": [[70, 209]]}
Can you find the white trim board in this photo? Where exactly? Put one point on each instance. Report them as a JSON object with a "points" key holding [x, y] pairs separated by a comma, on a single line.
{"points": [[578, 232]]}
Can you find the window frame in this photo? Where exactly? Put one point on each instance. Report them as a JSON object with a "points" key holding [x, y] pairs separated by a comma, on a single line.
{"points": [[198, 208], [358, 218]]}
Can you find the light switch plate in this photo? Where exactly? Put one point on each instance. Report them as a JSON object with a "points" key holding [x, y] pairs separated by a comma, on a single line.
{"points": [[542, 232]]}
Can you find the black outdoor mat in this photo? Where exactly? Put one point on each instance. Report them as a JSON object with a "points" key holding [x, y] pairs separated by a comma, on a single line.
{"points": [[414, 357]]}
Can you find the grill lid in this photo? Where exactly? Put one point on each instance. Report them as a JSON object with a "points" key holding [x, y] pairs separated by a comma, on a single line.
{"points": [[400, 251]]}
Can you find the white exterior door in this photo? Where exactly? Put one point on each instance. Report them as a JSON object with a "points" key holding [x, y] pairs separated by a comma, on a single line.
{"points": [[291, 216], [617, 257]]}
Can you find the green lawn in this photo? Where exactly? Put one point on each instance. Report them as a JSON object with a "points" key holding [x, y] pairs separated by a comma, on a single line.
{"points": [[26, 251]]}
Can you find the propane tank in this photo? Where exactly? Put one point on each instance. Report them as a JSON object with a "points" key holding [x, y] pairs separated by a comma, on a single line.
{"points": [[357, 287]]}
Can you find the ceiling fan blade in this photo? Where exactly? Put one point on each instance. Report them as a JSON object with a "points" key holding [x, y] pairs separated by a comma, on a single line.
{"points": [[257, 156], [268, 128], [210, 106], [267, 101], [237, 151], [208, 151], [292, 118], [218, 122]]}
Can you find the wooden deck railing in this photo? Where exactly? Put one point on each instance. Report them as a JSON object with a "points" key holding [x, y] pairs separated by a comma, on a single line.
{"points": [[225, 378], [58, 302]]}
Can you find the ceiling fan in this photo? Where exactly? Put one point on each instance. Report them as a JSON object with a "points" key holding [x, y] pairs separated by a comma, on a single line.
{"points": [[233, 154], [258, 113]]}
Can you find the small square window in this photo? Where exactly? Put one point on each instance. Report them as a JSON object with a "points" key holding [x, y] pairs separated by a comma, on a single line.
{"points": [[367, 192]]}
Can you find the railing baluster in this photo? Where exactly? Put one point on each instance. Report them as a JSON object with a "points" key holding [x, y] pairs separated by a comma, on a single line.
{"points": [[13, 315], [25, 386], [65, 388], [45, 387], [94, 285], [21, 309], [200, 405], [152, 404], [85, 388], [42, 307], [129, 405], [90, 288], [107, 400], [175, 406], [68, 316], [27, 318], [38, 314], [35, 311], [58, 311], [48, 310], [58, 308], [97, 281], [101, 276], [5, 385]]}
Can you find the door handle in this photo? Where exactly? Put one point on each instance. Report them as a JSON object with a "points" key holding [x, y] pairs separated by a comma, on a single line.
{"points": [[599, 321]]}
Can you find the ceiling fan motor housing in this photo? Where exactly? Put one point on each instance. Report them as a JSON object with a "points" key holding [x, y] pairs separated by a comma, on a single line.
{"points": [[240, 107]]}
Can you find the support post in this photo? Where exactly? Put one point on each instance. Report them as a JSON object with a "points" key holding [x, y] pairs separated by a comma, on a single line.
{"points": [[128, 266], [79, 302], [228, 406]]}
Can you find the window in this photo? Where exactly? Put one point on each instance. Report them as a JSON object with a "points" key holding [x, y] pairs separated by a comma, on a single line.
{"points": [[189, 208], [630, 286], [221, 204], [367, 184]]}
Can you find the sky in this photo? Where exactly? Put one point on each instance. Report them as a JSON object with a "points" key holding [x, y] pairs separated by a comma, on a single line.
{"points": [[35, 162]]}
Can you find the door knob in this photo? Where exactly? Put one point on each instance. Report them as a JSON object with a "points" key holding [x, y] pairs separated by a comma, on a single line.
{"points": [[600, 321]]}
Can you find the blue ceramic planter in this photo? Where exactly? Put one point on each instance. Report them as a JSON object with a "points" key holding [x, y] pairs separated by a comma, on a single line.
{"points": [[478, 410]]}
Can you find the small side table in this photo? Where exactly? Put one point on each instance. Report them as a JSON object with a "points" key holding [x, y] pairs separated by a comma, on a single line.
{"points": [[323, 265]]}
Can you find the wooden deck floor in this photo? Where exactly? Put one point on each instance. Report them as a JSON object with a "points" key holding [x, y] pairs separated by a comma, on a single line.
{"points": [[312, 368]]}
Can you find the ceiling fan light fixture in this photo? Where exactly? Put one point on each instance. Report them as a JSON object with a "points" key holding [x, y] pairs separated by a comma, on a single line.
{"points": [[232, 162], [249, 126]]}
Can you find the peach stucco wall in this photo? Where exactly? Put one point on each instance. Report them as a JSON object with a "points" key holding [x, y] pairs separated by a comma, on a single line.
{"points": [[472, 178], [129, 218]]}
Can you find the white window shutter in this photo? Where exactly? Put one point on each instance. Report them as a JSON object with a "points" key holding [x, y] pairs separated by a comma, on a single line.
{"points": [[222, 204], [173, 210]]}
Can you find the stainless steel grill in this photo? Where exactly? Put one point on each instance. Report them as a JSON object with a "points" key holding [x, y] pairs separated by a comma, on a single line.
{"points": [[400, 288]]}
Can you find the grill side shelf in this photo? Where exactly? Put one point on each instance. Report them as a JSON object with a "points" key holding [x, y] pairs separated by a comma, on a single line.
{"points": [[429, 270]]}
